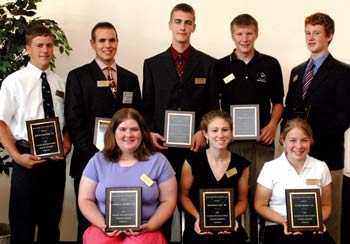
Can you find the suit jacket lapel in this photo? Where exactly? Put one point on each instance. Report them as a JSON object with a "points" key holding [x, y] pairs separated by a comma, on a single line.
{"points": [[170, 66], [297, 80], [320, 76], [97, 74]]}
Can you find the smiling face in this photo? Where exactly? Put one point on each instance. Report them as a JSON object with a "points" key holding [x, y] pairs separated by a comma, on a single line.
{"points": [[40, 50], [182, 25], [128, 136], [297, 145], [317, 40], [219, 133], [244, 37], [105, 45]]}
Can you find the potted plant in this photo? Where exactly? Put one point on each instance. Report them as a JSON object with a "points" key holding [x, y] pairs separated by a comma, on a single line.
{"points": [[15, 17], [5, 161], [5, 165]]}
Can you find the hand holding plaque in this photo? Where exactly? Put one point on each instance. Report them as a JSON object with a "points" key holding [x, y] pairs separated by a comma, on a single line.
{"points": [[216, 210], [123, 208], [304, 210], [45, 138]]}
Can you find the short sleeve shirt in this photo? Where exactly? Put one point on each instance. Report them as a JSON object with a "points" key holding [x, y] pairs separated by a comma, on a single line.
{"points": [[111, 174], [279, 175], [21, 99], [257, 82]]}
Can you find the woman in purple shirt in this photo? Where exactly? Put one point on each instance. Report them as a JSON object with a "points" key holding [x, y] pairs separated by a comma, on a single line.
{"points": [[128, 160]]}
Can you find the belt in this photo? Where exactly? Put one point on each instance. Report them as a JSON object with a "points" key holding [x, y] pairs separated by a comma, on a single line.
{"points": [[22, 143]]}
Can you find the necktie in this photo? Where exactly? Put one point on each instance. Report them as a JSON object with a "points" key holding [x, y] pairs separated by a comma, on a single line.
{"points": [[47, 98], [112, 82], [179, 67], [308, 78]]}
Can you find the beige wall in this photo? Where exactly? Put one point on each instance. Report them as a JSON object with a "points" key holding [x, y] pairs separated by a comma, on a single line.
{"points": [[143, 32]]}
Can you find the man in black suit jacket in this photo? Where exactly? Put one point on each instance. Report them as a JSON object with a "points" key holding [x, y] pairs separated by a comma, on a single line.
{"points": [[165, 89], [325, 104], [89, 95]]}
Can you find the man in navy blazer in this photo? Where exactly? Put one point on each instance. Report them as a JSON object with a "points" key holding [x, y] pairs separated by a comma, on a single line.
{"points": [[89, 95], [165, 89], [325, 105]]}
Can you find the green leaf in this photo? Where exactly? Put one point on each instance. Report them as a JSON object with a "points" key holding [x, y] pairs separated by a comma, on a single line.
{"points": [[15, 16]]}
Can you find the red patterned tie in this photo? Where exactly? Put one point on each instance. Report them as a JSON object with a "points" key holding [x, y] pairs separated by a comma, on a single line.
{"points": [[112, 82], [308, 78], [179, 67]]}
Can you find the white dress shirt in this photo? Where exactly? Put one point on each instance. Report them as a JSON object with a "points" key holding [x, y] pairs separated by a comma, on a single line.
{"points": [[21, 99]]}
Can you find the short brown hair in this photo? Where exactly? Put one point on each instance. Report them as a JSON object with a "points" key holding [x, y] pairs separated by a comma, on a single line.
{"points": [[184, 7], [37, 30], [321, 19], [210, 116], [111, 150], [244, 20], [299, 124], [102, 25]]}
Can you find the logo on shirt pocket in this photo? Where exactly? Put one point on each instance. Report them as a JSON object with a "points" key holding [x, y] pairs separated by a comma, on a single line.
{"points": [[261, 77]]}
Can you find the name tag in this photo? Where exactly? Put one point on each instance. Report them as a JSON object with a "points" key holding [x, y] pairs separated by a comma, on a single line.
{"points": [[60, 93], [314, 182], [127, 97], [231, 172], [148, 181], [200, 81], [103, 83], [229, 78]]}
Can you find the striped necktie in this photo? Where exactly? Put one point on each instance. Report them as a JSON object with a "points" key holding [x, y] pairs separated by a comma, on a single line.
{"points": [[308, 78]]}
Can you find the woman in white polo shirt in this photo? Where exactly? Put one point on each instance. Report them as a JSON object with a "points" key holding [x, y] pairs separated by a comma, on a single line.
{"points": [[293, 169]]}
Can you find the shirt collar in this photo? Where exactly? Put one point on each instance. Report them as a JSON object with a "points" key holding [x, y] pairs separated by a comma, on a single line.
{"points": [[318, 62], [185, 54], [103, 66], [233, 56], [36, 71], [308, 163]]}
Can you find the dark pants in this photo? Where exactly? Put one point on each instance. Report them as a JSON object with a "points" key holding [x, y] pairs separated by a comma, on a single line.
{"points": [[274, 235], [257, 154], [36, 199], [83, 223]]}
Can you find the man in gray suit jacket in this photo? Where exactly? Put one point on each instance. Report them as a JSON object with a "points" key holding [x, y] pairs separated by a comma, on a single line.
{"points": [[324, 102], [89, 95], [192, 88]]}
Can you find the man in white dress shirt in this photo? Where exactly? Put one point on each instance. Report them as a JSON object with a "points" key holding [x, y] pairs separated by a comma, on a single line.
{"points": [[37, 185]]}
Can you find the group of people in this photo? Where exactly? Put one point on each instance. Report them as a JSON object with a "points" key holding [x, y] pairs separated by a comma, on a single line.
{"points": [[314, 118]]}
